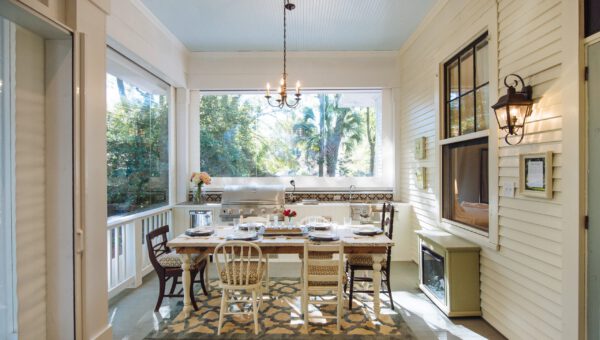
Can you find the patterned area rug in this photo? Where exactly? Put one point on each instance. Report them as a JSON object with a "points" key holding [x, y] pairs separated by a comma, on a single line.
{"points": [[280, 318]]}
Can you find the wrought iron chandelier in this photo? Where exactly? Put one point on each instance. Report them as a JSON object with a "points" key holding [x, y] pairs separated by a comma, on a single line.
{"points": [[282, 95]]}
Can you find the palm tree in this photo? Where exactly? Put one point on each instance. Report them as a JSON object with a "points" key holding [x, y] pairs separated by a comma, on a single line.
{"points": [[337, 126]]}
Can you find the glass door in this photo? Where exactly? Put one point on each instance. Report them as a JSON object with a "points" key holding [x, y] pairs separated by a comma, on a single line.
{"points": [[7, 288], [593, 234]]}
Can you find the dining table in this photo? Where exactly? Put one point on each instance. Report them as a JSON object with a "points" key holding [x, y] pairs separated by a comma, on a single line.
{"points": [[374, 245]]}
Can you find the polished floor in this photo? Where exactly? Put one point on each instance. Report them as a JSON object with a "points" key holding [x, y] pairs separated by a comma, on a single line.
{"points": [[132, 317]]}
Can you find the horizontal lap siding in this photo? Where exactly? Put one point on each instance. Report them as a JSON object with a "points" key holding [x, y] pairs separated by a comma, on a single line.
{"points": [[520, 283]]}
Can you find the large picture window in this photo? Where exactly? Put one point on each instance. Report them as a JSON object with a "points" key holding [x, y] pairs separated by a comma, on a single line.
{"points": [[465, 182], [137, 137], [331, 134]]}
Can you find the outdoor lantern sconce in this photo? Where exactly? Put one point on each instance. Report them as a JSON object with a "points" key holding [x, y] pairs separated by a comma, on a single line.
{"points": [[513, 108]]}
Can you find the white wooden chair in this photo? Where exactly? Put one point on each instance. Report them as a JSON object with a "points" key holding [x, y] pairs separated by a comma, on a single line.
{"points": [[265, 220], [315, 219], [323, 277], [240, 272]]}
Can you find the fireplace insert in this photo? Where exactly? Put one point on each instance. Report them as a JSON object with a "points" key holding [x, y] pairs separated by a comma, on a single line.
{"points": [[433, 273]]}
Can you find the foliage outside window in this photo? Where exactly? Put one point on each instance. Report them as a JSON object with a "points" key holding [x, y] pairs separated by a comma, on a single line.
{"points": [[465, 182], [137, 138], [466, 90], [333, 134]]}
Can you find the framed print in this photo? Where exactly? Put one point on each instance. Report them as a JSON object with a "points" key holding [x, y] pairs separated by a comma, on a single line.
{"points": [[420, 148], [535, 175], [420, 177]]}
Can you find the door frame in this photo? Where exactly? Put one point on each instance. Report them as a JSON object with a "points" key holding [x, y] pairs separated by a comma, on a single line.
{"points": [[588, 42]]}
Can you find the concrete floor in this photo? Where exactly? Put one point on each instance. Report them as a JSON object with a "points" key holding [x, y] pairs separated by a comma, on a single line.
{"points": [[132, 317]]}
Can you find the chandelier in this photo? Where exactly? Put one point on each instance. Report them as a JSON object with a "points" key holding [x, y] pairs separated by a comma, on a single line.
{"points": [[281, 99]]}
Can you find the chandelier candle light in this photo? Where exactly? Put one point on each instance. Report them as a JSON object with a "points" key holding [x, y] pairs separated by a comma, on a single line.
{"points": [[283, 84]]}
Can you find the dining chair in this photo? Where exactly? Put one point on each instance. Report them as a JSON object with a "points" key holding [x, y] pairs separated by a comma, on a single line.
{"points": [[365, 262], [323, 277], [241, 269], [167, 265], [265, 220]]}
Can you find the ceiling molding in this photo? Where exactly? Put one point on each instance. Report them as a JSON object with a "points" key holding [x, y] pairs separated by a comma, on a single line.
{"points": [[154, 20], [435, 10]]}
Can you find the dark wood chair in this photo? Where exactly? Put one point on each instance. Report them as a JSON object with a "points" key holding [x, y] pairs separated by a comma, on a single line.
{"points": [[365, 262], [167, 265]]}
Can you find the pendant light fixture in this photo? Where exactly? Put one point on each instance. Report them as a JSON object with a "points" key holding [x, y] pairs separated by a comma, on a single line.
{"points": [[281, 97]]}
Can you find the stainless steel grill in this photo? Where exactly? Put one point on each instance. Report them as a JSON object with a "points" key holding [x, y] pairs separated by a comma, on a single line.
{"points": [[251, 200]]}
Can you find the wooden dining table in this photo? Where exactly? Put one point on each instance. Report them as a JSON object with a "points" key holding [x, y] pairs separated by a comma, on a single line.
{"points": [[376, 246]]}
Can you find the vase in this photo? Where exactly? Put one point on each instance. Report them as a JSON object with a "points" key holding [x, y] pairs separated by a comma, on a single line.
{"points": [[199, 195]]}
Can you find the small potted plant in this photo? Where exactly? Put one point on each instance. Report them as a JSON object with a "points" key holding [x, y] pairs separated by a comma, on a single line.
{"points": [[289, 214], [199, 179]]}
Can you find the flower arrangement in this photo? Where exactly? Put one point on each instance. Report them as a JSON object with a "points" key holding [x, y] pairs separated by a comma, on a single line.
{"points": [[199, 179], [289, 214]]}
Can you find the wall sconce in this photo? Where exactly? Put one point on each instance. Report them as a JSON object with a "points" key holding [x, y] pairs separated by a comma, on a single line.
{"points": [[513, 108]]}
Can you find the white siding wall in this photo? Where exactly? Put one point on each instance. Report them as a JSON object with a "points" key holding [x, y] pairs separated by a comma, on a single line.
{"points": [[521, 283], [30, 185]]}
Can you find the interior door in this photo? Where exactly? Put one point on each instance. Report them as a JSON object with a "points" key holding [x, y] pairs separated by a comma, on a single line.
{"points": [[593, 235]]}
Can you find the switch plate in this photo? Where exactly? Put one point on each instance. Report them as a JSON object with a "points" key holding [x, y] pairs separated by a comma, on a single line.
{"points": [[508, 189]]}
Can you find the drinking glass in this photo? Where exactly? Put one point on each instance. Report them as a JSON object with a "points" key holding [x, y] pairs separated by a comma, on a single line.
{"points": [[347, 221]]}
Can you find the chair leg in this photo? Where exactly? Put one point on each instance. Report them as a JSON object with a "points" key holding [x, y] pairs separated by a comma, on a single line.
{"points": [[340, 308], [255, 311], [202, 283], [346, 272], [305, 308], [389, 287], [267, 278], [351, 288], [222, 311], [173, 285], [161, 292]]}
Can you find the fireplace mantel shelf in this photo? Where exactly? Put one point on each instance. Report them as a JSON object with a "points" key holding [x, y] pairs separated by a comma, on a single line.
{"points": [[447, 240]]}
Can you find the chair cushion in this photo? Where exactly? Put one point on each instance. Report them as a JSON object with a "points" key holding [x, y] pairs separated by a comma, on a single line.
{"points": [[233, 268], [363, 260], [324, 270], [173, 260]]}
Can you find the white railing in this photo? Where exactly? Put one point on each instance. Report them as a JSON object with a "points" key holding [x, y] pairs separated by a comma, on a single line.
{"points": [[127, 253]]}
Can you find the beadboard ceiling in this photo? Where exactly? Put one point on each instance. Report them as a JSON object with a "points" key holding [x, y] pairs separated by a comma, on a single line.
{"points": [[315, 25]]}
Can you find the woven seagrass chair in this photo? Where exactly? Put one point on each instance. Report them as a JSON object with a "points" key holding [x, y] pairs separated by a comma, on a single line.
{"points": [[323, 276]]}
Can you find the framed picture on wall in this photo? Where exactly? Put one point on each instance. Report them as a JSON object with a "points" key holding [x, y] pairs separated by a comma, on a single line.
{"points": [[420, 144], [535, 175], [420, 177]]}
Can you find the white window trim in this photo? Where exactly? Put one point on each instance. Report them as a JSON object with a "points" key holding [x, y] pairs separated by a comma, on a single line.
{"points": [[309, 183], [171, 127], [8, 194], [485, 23]]}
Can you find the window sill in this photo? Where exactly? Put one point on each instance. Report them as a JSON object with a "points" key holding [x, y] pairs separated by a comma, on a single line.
{"points": [[478, 237]]}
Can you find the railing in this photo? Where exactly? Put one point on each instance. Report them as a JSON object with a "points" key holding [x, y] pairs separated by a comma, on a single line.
{"points": [[128, 260]]}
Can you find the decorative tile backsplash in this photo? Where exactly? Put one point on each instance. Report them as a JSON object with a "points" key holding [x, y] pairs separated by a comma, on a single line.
{"points": [[334, 196]]}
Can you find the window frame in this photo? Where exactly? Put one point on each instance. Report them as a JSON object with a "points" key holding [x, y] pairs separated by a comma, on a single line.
{"points": [[171, 120], [485, 23], [7, 189], [472, 47], [311, 183]]}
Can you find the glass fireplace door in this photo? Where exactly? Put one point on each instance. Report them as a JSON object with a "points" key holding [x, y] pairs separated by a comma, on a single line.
{"points": [[433, 273]]}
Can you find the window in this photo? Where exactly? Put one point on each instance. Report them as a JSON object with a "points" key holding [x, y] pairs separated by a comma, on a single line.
{"points": [[331, 134], [465, 182], [137, 137], [467, 87]]}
